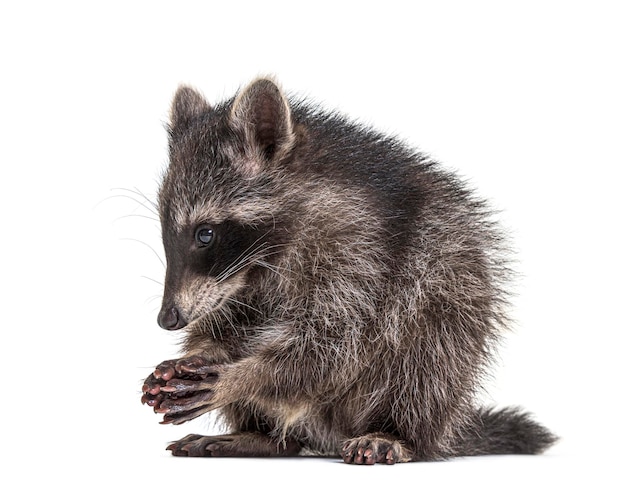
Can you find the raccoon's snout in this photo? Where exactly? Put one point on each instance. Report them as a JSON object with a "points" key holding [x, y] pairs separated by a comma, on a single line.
{"points": [[171, 319]]}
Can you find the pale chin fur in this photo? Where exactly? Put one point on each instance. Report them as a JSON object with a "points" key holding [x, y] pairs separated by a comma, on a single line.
{"points": [[207, 310]]}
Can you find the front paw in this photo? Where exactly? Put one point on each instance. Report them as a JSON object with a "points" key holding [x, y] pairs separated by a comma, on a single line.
{"points": [[181, 389]]}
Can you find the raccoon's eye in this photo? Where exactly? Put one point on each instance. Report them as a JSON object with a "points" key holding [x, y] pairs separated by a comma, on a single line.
{"points": [[204, 236]]}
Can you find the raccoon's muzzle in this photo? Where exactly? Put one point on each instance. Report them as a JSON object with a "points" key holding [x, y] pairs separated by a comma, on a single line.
{"points": [[171, 319]]}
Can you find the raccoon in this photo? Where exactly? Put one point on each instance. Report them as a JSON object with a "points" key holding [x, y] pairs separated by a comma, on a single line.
{"points": [[340, 293]]}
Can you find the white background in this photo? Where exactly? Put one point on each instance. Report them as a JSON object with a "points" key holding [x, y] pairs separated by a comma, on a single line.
{"points": [[525, 99]]}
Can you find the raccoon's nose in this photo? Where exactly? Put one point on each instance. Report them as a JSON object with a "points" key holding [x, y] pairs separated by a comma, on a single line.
{"points": [[170, 318]]}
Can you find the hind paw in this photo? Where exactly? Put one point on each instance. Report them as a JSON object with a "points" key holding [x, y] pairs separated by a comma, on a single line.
{"points": [[374, 448], [201, 446], [233, 445]]}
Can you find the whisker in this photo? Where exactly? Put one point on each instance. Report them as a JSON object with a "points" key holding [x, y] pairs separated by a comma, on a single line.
{"points": [[251, 259], [152, 298], [154, 207], [145, 244], [236, 266], [136, 215], [148, 205], [237, 302], [210, 323], [249, 250], [272, 268], [153, 280], [229, 319]]}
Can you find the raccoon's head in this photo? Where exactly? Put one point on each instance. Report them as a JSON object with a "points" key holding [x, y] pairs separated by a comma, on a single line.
{"points": [[219, 196]]}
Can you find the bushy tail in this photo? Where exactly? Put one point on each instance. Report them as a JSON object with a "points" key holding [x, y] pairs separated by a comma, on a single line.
{"points": [[504, 431]]}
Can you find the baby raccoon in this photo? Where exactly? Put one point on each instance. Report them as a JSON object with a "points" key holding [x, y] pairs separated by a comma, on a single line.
{"points": [[340, 294]]}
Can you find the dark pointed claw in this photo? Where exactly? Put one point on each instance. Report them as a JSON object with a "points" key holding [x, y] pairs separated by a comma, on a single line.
{"points": [[182, 417], [171, 405], [184, 386]]}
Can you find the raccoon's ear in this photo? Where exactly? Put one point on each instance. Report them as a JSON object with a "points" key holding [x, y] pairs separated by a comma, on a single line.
{"points": [[187, 104], [262, 112]]}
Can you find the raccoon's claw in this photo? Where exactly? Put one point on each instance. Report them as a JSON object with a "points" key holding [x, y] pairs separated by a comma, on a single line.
{"points": [[177, 405], [184, 386], [194, 367], [233, 445], [372, 449], [211, 446], [152, 400], [181, 389], [183, 417], [192, 446], [165, 370]]}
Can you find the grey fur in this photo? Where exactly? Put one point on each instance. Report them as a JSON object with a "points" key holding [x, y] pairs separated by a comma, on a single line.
{"points": [[350, 297]]}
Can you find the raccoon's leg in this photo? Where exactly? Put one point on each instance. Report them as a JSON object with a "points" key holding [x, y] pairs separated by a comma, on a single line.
{"points": [[244, 444], [375, 448], [181, 389]]}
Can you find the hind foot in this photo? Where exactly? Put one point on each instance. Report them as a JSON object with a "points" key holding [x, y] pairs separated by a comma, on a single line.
{"points": [[374, 448], [233, 445]]}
